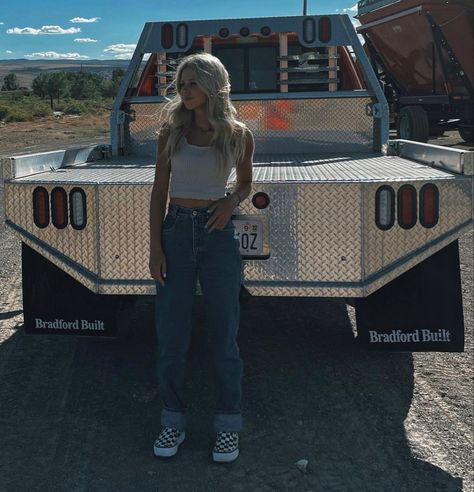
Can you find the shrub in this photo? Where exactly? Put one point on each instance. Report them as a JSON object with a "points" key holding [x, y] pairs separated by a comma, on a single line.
{"points": [[75, 107], [19, 115], [4, 112]]}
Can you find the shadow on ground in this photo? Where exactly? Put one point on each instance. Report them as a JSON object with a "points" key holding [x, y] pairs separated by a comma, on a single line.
{"points": [[82, 414]]}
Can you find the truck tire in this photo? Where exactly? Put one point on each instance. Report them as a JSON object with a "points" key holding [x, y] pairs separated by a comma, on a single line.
{"points": [[413, 124], [465, 132]]}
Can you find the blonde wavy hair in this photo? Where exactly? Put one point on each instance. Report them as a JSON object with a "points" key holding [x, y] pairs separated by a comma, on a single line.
{"points": [[229, 134]]}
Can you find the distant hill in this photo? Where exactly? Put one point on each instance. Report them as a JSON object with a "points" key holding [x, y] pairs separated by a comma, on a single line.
{"points": [[27, 70]]}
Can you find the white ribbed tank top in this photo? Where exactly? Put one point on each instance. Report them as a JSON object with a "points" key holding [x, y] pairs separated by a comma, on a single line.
{"points": [[194, 173]]}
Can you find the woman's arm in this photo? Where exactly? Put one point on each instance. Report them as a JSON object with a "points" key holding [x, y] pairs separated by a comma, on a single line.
{"points": [[222, 209], [159, 197], [243, 185]]}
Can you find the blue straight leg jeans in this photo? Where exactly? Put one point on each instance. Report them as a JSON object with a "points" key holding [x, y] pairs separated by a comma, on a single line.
{"points": [[192, 252]]}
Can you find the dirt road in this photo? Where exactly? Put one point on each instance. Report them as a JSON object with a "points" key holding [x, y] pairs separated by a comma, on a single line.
{"points": [[79, 415]]}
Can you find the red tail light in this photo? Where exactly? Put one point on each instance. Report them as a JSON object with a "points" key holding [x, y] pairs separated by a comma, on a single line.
{"points": [[407, 206], [429, 205], [260, 200], [324, 29], [40, 207], [167, 36], [59, 208]]}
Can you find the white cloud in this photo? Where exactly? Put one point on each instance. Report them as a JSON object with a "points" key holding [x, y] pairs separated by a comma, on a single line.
{"points": [[2, 23], [85, 40], [9, 52], [353, 8], [121, 51], [84, 21], [43, 30], [52, 55]]}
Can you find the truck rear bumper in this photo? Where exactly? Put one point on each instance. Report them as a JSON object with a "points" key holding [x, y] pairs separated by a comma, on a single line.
{"points": [[321, 222]]}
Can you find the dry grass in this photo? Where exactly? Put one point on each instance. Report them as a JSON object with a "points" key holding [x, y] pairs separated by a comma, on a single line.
{"points": [[23, 136]]}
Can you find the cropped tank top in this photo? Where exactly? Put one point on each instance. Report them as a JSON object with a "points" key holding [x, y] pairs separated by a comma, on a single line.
{"points": [[194, 173]]}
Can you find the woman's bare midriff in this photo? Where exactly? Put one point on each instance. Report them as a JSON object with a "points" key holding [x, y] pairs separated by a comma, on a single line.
{"points": [[190, 202]]}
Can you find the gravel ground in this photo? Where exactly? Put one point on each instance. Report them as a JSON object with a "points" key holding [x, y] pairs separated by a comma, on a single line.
{"points": [[81, 415]]}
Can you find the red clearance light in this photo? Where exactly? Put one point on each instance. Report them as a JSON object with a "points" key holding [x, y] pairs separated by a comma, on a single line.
{"points": [[40, 207], [265, 31], [407, 206], [261, 200], [309, 30], [167, 36], [324, 29], [429, 205], [182, 35], [59, 208], [77, 208], [244, 32], [224, 32]]}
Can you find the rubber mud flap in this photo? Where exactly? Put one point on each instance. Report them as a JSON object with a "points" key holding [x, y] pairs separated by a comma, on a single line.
{"points": [[55, 303], [420, 311]]}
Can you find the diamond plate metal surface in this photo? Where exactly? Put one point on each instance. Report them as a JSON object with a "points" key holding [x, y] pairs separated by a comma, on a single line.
{"points": [[383, 249], [322, 233], [77, 245], [279, 126], [124, 231]]}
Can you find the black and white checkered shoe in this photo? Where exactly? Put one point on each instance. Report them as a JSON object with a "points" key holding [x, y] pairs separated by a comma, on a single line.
{"points": [[167, 443], [226, 447]]}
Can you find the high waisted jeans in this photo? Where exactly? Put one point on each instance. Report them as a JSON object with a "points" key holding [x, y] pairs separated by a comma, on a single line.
{"points": [[192, 252]]}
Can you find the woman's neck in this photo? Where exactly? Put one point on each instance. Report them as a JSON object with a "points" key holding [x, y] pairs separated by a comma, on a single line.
{"points": [[200, 120]]}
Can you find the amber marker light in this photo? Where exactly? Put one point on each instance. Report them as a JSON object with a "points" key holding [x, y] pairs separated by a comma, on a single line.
{"points": [[260, 200]]}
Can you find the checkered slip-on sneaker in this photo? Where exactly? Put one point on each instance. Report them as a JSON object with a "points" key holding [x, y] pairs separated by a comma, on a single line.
{"points": [[167, 442], [226, 447]]}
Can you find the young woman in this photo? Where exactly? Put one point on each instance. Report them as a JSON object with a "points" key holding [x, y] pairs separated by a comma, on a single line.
{"points": [[198, 145]]}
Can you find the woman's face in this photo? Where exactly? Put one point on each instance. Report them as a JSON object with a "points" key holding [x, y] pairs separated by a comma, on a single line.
{"points": [[191, 94]]}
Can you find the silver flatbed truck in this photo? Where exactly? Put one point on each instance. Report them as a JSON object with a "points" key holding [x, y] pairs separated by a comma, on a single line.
{"points": [[336, 209]]}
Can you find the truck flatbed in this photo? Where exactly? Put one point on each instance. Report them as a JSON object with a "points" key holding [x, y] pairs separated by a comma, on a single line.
{"points": [[280, 168]]}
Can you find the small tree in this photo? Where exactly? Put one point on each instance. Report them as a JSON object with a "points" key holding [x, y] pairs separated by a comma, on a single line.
{"points": [[56, 86], [39, 86], [111, 87], [10, 82]]}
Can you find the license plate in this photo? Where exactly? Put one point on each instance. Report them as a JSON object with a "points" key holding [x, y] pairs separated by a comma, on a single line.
{"points": [[250, 234]]}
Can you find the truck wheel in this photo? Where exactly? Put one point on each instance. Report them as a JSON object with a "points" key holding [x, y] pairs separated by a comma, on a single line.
{"points": [[412, 124], [465, 132]]}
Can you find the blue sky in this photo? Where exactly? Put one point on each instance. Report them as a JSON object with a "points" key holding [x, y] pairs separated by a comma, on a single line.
{"points": [[109, 29]]}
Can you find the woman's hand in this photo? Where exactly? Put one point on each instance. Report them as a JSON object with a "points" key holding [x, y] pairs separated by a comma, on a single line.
{"points": [[157, 266], [222, 212]]}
